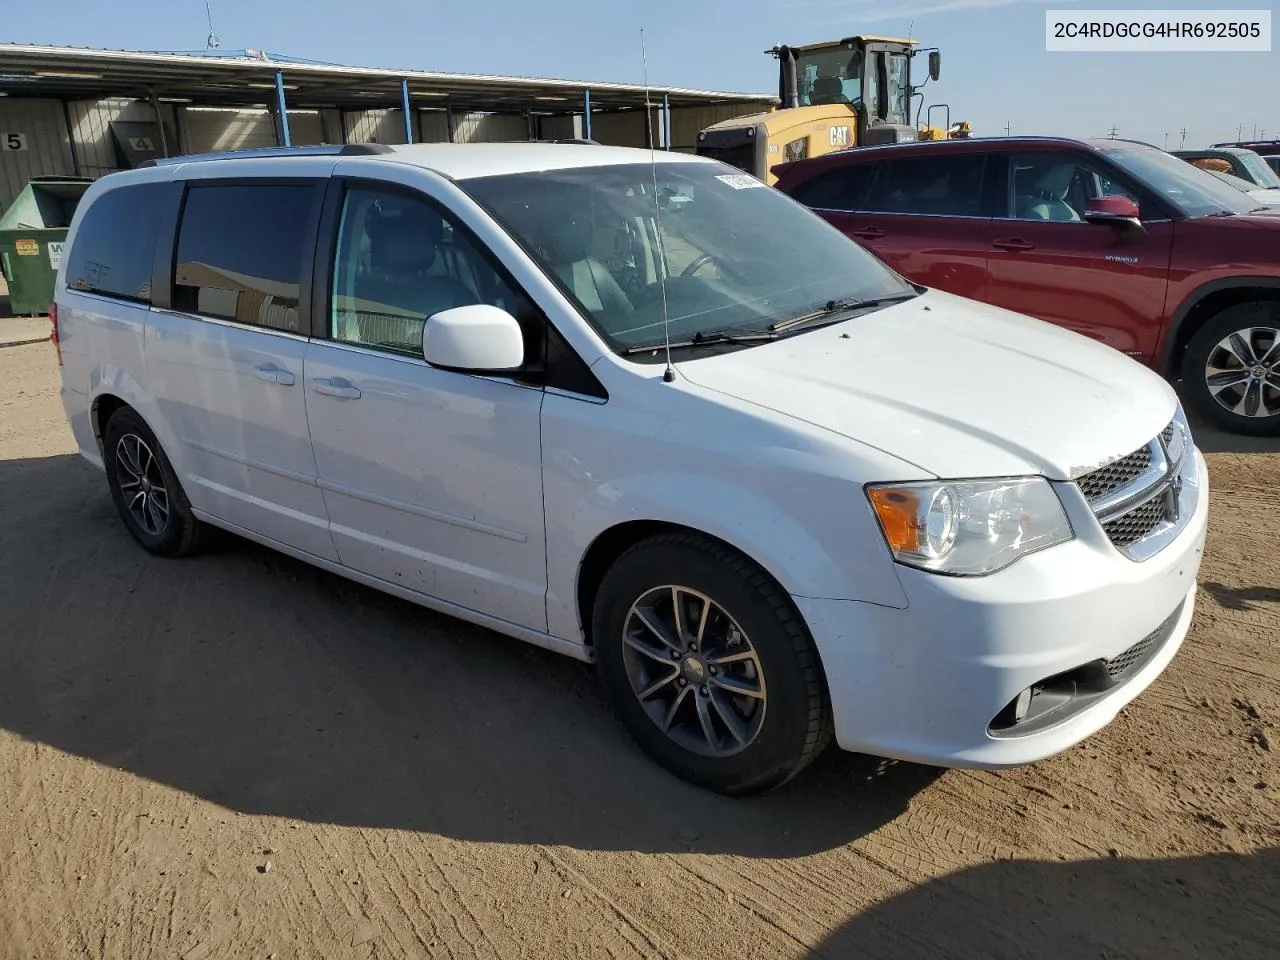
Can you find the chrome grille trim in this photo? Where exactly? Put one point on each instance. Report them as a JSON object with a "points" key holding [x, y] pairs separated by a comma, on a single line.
{"points": [[1142, 513]]}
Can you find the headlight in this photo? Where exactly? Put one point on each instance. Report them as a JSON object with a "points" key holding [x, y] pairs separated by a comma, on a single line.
{"points": [[968, 527], [1177, 438]]}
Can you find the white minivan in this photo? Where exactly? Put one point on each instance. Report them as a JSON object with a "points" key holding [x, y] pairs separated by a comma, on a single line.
{"points": [[648, 412]]}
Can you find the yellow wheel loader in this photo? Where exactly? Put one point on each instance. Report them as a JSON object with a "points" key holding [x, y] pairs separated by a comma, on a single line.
{"points": [[833, 95]]}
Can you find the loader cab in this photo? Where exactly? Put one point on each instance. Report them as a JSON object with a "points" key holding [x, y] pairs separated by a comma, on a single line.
{"points": [[833, 95], [870, 74]]}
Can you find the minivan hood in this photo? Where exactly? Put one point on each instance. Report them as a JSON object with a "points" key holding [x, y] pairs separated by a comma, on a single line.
{"points": [[957, 388]]}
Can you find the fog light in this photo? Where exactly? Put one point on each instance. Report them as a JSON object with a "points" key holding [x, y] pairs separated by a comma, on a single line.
{"points": [[1021, 706]]}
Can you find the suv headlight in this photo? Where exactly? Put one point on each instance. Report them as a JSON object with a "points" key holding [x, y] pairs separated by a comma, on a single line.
{"points": [[968, 527]]}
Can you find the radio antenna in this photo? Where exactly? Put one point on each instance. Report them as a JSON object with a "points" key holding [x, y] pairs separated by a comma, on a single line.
{"points": [[669, 374]]}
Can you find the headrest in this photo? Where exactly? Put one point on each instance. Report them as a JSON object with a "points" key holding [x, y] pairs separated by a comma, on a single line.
{"points": [[1056, 180], [828, 87], [405, 242], [569, 240]]}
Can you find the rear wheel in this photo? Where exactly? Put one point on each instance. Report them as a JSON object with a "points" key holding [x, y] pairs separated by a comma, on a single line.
{"points": [[1231, 370], [145, 488], [708, 665]]}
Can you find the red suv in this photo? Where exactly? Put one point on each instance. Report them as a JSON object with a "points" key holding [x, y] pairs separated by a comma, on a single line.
{"points": [[1114, 239]]}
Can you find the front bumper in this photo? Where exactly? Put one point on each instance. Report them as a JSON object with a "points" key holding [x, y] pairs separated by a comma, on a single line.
{"points": [[934, 683]]}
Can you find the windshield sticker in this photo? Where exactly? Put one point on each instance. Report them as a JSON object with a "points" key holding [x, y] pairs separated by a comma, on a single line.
{"points": [[741, 181]]}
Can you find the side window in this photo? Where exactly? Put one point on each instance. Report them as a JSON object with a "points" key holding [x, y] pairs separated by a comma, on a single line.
{"points": [[242, 250], [940, 185], [839, 188], [115, 244], [1058, 187], [398, 261]]}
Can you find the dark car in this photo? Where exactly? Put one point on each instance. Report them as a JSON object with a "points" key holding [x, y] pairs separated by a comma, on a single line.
{"points": [[1114, 239], [1245, 164]]}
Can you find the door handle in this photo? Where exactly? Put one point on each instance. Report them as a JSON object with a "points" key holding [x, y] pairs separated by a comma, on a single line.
{"points": [[273, 374], [1016, 243], [335, 387], [868, 233]]}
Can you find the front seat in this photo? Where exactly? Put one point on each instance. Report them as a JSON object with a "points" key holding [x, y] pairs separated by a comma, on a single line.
{"points": [[1051, 189], [828, 90], [399, 292], [569, 254]]}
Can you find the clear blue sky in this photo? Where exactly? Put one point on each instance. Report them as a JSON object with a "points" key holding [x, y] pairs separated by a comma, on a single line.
{"points": [[995, 67]]}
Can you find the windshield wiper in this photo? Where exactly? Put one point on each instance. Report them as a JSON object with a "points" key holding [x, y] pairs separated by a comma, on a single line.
{"points": [[833, 307], [706, 339]]}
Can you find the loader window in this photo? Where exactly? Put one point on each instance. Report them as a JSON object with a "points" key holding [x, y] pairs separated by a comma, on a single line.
{"points": [[899, 75]]}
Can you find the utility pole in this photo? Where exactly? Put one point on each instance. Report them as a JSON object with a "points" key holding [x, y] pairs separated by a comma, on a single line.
{"points": [[1114, 130], [1184, 139], [1166, 141], [1239, 131], [1008, 129]]}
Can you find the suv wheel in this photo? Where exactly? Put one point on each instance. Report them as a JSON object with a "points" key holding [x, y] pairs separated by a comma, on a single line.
{"points": [[1231, 370], [709, 666], [145, 489]]}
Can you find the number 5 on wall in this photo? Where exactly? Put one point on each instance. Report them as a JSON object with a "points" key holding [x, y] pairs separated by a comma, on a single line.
{"points": [[13, 141]]}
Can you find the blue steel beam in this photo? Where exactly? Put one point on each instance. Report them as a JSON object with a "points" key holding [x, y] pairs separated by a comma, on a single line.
{"points": [[666, 122], [586, 114], [408, 117], [282, 111]]}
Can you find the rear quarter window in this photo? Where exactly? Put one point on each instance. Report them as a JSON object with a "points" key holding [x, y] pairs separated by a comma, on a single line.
{"points": [[114, 246]]}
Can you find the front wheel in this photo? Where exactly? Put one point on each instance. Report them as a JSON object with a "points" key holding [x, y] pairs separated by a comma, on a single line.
{"points": [[1231, 370], [708, 665]]}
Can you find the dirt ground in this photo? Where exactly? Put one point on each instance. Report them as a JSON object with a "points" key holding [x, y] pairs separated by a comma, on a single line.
{"points": [[236, 755]]}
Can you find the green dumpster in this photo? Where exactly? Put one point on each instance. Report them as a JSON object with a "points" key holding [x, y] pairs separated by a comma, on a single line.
{"points": [[32, 233]]}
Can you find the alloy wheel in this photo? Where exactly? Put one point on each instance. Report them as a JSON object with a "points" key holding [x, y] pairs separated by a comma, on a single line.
{"points": [[141, 484], [1243, 372]]}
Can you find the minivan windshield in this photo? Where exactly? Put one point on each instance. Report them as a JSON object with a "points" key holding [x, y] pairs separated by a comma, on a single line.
{"points": [[736, 256], [1194, 192], [1262, 174]]}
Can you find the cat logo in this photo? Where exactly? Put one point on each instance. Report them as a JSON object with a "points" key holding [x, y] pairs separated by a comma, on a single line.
{"points": [[839, 136]]}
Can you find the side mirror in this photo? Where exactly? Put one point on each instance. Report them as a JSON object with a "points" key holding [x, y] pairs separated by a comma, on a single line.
{"points": [[477, 339], [935, 64], [1117, 211]]}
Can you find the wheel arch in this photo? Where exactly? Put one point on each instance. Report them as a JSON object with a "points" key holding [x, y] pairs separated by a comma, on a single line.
{"points": [[1204, 303], [613, 542]]}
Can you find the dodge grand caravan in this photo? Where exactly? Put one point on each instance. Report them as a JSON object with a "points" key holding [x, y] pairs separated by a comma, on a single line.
{"points": [[645, 412]]}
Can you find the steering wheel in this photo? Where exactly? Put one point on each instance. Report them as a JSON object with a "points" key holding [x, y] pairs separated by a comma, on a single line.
{"points": [[697, 264]]}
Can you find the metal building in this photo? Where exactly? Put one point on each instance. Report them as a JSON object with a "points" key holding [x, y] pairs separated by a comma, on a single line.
{"points": [[69, 111]]}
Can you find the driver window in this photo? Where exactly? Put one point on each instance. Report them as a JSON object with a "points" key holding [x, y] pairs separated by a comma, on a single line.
{"points": [[1057, 187], [399, 260]]}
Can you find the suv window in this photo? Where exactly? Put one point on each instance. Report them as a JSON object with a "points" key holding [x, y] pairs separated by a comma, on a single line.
{"points": [[242, 250], [838, 188], [1057, 186], [115, 244], [937, 185], [399, 260]]}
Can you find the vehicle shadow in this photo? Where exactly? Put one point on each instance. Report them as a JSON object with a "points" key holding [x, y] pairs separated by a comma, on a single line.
{"points": [[1210, 439], [1225, 905], [262, 684], [1241, 598]]}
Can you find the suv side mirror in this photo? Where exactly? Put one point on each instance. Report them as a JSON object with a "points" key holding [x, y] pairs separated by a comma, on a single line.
{"points": [[1117, 211], [478, 339], [935, 64]]}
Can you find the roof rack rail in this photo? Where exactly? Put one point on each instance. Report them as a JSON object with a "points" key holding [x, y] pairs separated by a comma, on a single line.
{"points": [[335, 150]]}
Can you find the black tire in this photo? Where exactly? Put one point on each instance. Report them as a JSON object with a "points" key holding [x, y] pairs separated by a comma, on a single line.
{"points": [[1204, 347], [795, 723], [180, 532]]}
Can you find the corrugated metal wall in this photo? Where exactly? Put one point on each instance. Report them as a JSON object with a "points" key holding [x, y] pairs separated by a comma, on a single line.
{"points": [[687, 121], [91, 126], [374, 126], [47, 153], [209, 129], [489, 128]]}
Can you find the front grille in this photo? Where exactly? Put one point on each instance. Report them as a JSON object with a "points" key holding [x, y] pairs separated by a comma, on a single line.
{"points": [[1141, 651], [1113, 476], [1136, 524], [1137, 499]]}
